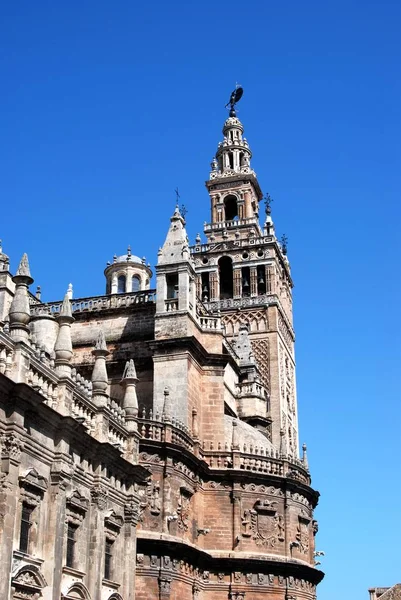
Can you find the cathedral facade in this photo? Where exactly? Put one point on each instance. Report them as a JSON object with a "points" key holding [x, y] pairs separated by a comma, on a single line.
{"points": [[149, 437]]}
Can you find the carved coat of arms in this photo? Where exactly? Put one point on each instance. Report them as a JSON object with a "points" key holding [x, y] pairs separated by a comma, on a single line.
{"points": [[266, 525]]}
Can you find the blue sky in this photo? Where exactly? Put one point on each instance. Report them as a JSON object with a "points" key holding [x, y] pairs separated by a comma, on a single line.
{"points": [[107, 107]]}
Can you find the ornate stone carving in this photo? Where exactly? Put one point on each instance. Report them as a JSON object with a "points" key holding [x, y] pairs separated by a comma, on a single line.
{"points": [[302, 535], [266, 527], [154, 499], [183, 509], [132, 512], [99, 497], [28, 583], [11, 446], [164, 586], [237, 596], [261, 351]]}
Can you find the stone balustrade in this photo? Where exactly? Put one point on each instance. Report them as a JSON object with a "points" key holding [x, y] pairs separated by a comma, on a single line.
{"points": [[6, 354], [83, 411], [171, 304], [247, 458], [261, 300], [43, 380], [251, 388], [97, 303], [209, 323], [230, 224], [162, 429]]}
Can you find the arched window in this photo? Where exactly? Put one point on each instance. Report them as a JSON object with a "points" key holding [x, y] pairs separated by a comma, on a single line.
{"points": [[121, 284], [226, 277], [230, 207], [135, 284]]}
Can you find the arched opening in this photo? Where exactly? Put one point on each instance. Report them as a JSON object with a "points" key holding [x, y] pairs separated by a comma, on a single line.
{"points": [[121, 284], [76, 592], [205, 287], [135, 284], [172, 285], [226, 277], [261, 280], [246, 281], [230, 207]]}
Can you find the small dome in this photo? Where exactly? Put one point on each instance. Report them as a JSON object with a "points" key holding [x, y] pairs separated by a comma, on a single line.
{"points": [[246, 434], [128, 258]]}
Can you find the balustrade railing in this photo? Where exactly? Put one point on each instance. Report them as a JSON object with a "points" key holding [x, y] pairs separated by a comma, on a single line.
{"points": [[252, 388], [230, 224], [171, 304], [6, 354], [260, 300], [209, 323], [97, 303], [163, 429]]}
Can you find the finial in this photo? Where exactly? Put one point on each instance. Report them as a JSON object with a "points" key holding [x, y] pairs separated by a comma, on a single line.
{"points": [[100, 343], [23, 267], [198, 238], [70, 291], [130, 371], [115, 258], [66, 307], [166, 405], [235, 97], [284, 242], [304, 456], [129, 250], [183, 211], [38, 292], [1, 246], [268, 201], [214, 164]]}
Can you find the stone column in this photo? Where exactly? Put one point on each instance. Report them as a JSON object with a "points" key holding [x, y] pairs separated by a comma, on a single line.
{"points": [[96, 540], [55, 537], [131, 516], [11, 446], [20, 312], [254, 281], [99, 387], [63, 345], [214, 286]]}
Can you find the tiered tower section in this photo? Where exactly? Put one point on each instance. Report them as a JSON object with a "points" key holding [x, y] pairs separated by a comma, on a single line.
{"points": [[243, 273]]}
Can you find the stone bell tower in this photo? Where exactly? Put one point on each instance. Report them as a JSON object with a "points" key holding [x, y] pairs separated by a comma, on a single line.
{"points": [[243, 272]]}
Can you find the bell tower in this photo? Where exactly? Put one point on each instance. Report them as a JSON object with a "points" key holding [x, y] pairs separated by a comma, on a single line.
{"points": [[243, 273]]}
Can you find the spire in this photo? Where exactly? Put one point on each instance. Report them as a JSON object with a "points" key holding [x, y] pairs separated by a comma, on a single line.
{"points": [[167, 406], [305, 457], [20, 311], [176, 246], [130, 401], [99, 374], [63, 345], [23, 267], [233, 153], [269, 225]]}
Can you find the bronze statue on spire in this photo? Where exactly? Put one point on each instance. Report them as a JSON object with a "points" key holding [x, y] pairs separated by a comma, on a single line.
{"points": [[235, 97]]}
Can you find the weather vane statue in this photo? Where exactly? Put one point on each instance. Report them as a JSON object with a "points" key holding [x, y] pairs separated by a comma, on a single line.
{"points": [[235, 97]]}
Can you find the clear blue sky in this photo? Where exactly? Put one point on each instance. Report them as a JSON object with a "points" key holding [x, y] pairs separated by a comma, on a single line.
{"points": [[106, 107]]}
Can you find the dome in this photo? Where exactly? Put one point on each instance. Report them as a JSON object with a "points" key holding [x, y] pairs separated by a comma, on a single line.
{"points": [[246, 434], [128, 258]]}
